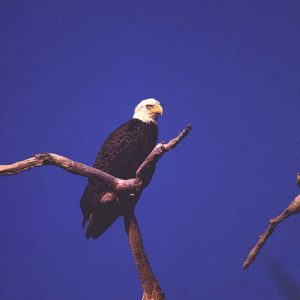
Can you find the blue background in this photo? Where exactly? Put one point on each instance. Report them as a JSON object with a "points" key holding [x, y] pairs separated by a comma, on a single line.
{"points": [[72, 71]]}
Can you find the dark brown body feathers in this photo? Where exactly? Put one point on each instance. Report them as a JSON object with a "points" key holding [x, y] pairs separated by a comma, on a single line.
{"points": [[120, 155]]}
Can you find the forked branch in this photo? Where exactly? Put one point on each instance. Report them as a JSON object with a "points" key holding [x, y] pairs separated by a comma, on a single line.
{"points": [[118, 184], [293, 208], [152, 290]]}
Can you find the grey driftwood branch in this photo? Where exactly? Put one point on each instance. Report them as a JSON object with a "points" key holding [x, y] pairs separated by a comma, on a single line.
{"points": [[133, 186], [293, 208], [78, 168]]}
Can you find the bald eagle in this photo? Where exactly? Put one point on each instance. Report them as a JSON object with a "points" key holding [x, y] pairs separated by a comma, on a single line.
{"points": [[120, 155]]}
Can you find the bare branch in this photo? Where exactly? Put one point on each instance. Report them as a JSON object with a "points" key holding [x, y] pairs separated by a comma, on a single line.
{"points": [[65, 163], [152, 290], [159, 151], [172, 143], [74, 167], [292, 209]]}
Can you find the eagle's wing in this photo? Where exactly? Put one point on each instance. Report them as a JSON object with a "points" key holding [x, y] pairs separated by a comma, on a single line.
{"points": [[124, 149], [120, 155]]}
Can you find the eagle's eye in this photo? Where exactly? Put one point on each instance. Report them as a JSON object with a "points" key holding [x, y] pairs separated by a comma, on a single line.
{"points": [[149, 106]]}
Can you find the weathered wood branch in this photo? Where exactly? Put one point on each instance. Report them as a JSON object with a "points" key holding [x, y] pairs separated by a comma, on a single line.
{"points": [[293, 208], [78, 168], [152, 290], [159, 151], [43, 159]]}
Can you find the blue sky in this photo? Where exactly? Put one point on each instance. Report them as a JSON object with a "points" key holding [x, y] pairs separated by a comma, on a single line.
{"points": [[72, 71]]}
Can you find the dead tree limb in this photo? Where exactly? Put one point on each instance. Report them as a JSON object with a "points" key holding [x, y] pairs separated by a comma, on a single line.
{"points": [[43, 159], [152, 290], [71, 166], [293, 208]]}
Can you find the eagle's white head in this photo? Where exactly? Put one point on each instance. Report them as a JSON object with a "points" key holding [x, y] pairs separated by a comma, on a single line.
{"points": [[148, 110]]}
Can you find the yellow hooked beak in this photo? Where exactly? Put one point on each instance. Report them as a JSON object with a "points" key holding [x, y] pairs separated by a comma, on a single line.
{"points": [[157, 109]]}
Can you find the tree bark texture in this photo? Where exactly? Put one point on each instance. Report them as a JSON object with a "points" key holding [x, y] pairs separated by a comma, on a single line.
{"points": [[133, 187]]}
